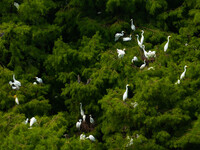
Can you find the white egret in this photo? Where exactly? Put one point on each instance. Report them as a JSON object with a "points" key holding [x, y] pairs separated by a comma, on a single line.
{"points": [[118, 35], [32, 121], [39, 80], [143, 65], [139, 43], [135, 104], [125, 95], [84, 117], [132, 25], [34, 83], [130, 142], [134, 59], [178, 81], [145, 52], [81, 109], [16, 5], [166, 45], [125, 39], [121, 53], [15, 87], [16, 82], [78, 124], [142, 37], [82, 137], [151, 68], [91, 137], [183, 74], [91, 119], [16, 100], [26, 121]]}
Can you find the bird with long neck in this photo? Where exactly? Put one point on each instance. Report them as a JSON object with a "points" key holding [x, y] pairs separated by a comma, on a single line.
{"points": [[132, 25], [145, 52], [121, 53], [143, 65], [118, 35], [16, 83], [138, 41], [167, 44], [125, 96], [142, 37], [183, 74]]}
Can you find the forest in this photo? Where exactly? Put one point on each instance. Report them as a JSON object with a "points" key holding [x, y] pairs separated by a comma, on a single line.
{"points": [[99, 74]]}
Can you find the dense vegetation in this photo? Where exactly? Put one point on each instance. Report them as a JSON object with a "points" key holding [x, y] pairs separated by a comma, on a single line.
{"points": [[59, 40]]}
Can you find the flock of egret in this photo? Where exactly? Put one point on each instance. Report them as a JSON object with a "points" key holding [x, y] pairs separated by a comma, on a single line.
{"points": [[15, 85], [147, 54], [78, 124]]}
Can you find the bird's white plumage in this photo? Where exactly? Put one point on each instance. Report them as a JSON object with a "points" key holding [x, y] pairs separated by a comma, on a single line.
{"points": [[138, 41], [135, 104], [16, 82], [78, 124], [178, 81], [118, 35], [130, 142], [32, 121], [183, 74], [82, 137], [142, 37], [91, 137], [134, 59], [81, 109], [167, 44], [16, 5], [121, 53], [16, 100], [125, 39], [125, 95], [34, 83], [143, 65], [26, 121], [151, 68], [132, 25], [39, 80], [91, 119]]}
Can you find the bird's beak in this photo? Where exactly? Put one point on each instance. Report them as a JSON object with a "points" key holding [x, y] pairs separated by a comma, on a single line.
{"points": [[14, 96]]}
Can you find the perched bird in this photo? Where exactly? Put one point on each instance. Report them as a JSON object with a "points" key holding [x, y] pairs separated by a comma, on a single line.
{"points": [[118, 35], [139, 43], [32, 121], [78, 124], [125, 95], [121, 53], [151, 68], [134, 59], [91, 119], [183, 74], [132, 25], [125, 39], [143, 65], [142, 37], [84, 117], [134, 104], [178, 81], [15, 87], [166, 45], [16, 82], [26, 121], [34, 83], [82, 137], [81, 109], [16, 5], [91, 137], [39, 80], [16, 100], [130, 142]]}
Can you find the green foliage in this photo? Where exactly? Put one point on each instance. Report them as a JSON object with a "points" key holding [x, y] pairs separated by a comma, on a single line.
{"points": [[70, 45]]}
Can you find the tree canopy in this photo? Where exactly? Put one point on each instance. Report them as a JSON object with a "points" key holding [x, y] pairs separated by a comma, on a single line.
{"points": [[70, 45]]}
